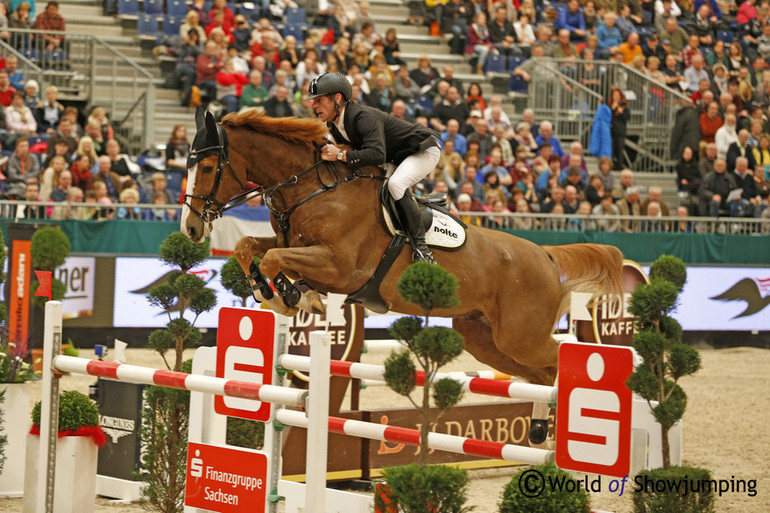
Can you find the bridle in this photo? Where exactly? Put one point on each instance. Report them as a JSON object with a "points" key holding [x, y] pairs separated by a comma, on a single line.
{"points": [[207, 213]]}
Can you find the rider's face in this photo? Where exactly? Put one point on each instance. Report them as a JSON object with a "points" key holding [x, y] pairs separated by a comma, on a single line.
{"points": [[324, 108]]}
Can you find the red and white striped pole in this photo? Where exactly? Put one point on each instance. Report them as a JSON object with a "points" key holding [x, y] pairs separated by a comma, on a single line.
{"points": [[181, 380], [508, 389], [438, 441]]}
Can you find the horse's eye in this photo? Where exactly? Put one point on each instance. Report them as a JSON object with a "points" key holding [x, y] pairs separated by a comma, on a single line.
{"points": [[207, 169]]}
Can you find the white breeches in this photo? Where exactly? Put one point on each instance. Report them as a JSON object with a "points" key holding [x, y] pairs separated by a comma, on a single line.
{"points": [[413, 169]]}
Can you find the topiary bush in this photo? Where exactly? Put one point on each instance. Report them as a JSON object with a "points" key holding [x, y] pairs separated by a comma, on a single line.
{"points": [[430, 489], [652, 496], [75, 410], [659, 343], [235, 281], [49, 248], [535, 490]]}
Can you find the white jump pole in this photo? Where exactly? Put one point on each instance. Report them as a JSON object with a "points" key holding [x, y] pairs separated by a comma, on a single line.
{"points": [[49, 411], [497, 388], [318, 422], [181, 380]]}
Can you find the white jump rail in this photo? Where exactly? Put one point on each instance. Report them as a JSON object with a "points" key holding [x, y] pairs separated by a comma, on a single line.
{"points": [[497, 388], [181, 380], [438, 441]]}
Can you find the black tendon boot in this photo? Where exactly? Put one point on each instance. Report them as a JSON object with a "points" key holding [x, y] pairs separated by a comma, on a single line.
{"points": [[409, 213]]}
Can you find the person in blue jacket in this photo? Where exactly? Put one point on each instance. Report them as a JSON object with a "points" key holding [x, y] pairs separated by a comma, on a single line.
{"points": [[571, 18], [601, 138], [608, 35]]}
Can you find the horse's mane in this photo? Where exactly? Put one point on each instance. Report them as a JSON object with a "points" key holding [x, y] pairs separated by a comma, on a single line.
{"points": [[300, 131]]}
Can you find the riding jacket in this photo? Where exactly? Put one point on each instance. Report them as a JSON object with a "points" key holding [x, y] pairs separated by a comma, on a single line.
{"points": [[377, 137]]}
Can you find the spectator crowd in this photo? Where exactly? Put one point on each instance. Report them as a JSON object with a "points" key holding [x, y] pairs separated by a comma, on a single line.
{"points": [[230, 60]]}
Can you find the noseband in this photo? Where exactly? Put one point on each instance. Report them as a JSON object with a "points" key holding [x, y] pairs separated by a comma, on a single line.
{"points": [[207, 213]]}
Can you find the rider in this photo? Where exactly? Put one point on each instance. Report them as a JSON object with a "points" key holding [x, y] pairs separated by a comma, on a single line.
{"points": [[376, 138]]}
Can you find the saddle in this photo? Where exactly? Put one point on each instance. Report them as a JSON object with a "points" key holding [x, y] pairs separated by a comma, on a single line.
{"points": [[442, 230]]}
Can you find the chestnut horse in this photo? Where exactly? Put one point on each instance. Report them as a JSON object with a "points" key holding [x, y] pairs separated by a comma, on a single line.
{"points": [[511, 291]]}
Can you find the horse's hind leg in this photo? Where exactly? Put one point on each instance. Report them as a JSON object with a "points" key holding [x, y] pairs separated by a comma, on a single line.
{"points": [[480, 343]]}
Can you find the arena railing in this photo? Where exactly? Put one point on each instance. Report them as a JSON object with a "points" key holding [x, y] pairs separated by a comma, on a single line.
{"points": [[501, 220], [89, 69], [566, 92], [9, 209], [610, 223]]}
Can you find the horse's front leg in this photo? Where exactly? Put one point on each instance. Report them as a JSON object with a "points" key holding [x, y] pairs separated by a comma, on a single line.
{"points": [[315, 263], [245, 250]]}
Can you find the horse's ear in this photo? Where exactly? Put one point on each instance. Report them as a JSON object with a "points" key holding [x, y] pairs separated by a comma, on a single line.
{"points": [[199, 112], [212, 135]]}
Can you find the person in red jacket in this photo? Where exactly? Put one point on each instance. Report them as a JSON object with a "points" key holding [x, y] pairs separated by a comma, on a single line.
{"points": [[6, 90], [478, 41], [229, 87], [207, 67], [81, 173], [229, 17]]}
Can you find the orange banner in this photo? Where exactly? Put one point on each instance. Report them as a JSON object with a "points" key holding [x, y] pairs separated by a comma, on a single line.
{"points": [[19, 283]]}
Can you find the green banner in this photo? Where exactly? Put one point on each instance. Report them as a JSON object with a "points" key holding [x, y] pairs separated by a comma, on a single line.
{"points": [[692, 248], [122, 237]]}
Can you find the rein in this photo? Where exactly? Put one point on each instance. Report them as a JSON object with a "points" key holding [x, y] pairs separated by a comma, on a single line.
{"points": [[282, 217]]}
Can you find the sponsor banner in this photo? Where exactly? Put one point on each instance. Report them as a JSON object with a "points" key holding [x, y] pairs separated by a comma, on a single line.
{"points": [[504, 422], [19, 291], [134, 277], [225, 479], [714, 298], [594, 429], [245, 347], [77, 274], [611, 322]]}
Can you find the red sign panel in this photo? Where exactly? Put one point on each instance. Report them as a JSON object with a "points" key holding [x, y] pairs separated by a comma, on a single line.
{"points": [[245, 346], [225, 479], [18, 283], [593, 433]]}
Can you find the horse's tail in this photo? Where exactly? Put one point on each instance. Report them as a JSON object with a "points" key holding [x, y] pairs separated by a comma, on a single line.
{"points": [[594, 268]]}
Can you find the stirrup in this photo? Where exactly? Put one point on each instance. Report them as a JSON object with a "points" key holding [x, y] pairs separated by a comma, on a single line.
{"points": [[422, 253]]}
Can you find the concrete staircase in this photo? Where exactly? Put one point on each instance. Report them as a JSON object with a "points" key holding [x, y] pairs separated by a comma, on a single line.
{"points": [[86, 17]]}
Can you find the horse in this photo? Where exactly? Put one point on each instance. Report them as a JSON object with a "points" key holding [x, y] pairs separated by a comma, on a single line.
{"points": [[511, 291]]}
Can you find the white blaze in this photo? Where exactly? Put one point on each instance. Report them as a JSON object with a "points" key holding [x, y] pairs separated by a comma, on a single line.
{"points": [[189, 190]]}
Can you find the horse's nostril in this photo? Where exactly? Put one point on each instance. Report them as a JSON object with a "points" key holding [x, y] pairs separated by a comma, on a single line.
{"points": [[192, 232]]}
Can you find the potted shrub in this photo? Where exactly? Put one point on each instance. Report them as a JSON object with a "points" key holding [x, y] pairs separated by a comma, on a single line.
{"points": [[15, 371], [80, 436], [165, 416], [665, 360], [421, 488], [523, 493]]}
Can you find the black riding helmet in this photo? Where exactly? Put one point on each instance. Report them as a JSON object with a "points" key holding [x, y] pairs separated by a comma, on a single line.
{"points": [[330, 83]]}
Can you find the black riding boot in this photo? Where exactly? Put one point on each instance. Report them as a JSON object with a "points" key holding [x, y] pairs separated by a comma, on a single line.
{"points": [[409, 213]]}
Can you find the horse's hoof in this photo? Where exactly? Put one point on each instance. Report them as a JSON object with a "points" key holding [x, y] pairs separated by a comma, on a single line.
{"points": [[311, 302], [538, 431]]}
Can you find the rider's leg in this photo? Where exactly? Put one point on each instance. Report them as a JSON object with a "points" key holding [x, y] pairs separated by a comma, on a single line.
{"points": [[413, 169]]}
